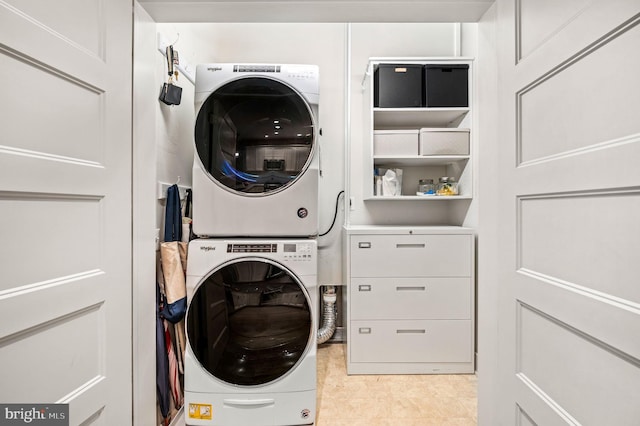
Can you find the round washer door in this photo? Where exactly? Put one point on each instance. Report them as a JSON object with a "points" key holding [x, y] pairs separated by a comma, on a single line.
{"points": [[255, 135], [249, 322]]}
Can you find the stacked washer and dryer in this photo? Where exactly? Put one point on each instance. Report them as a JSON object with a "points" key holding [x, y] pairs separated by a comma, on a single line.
{"points": [[252, 275]]}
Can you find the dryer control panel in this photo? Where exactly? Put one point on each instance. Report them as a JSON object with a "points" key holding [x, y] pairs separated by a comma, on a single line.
{"points": [[256, 68]]}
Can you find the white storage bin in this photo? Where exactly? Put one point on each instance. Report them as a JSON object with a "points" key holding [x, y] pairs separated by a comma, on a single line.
{"points": [[395, 142], [444, 141]]}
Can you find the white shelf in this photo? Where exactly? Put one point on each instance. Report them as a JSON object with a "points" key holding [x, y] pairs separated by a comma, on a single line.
{"points": [[418, 198], [415, 118], [418, 160]]}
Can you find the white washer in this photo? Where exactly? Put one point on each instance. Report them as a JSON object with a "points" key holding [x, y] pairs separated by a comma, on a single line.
{"points": [[251, 332], [255, 170]]}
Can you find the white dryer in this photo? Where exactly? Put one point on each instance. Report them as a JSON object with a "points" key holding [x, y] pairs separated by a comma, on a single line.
{"points": [[251, 332], [255, 170]]}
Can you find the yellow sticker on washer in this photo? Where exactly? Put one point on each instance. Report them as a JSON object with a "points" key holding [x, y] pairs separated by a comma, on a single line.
{"points": [[200, 411]]}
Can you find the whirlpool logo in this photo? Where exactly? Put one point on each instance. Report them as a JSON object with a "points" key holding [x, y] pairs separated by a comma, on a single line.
{"points": [[214, 69], [207, 248], [34, 414]]}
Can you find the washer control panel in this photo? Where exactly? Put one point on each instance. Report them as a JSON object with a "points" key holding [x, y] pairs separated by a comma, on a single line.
{"points": [[288, 251], [252, 248], [298, 252]]}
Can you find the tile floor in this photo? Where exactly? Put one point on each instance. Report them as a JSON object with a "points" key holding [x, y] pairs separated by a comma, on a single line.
{"points": [[389, 400]]}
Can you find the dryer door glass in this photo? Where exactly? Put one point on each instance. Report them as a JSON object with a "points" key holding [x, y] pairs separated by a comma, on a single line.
{"points": [[249, 323], [255, 135]]}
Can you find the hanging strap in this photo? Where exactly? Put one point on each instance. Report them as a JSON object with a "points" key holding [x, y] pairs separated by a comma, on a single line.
{"points": [[187, 203], [169, 52]]}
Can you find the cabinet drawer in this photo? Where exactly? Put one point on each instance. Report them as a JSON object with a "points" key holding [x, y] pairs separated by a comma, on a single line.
{"points": [[410, 341], [411, 255], [410, 298]]}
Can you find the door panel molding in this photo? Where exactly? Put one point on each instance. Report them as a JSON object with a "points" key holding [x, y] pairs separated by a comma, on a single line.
{"points": [[547, 363], [75, 339], [24, 305], [533, 399], [550, 241], [558, 13], [52, 49], [82, 401], [591, 79], [93, 21], [574, 305]]}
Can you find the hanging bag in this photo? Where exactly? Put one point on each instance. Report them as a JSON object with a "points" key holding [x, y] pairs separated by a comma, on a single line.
{"points": [[171, 94], [173, 258]]}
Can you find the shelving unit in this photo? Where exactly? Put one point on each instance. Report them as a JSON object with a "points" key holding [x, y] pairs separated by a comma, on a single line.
{"points": [[416, 167], [409, 304]]}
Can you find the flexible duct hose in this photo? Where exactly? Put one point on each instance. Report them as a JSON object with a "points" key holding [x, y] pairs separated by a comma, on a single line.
{"points": [[328, 314]]}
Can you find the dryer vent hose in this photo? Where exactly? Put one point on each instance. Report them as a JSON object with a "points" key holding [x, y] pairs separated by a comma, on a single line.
{"points": [[328, 314]]}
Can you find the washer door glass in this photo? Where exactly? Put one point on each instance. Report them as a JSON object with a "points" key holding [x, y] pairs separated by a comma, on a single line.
{"points": [[254, 135], [249, 323]]}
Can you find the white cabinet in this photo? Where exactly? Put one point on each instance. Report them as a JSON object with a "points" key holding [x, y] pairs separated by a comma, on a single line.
{"points": [[414, 165], [410, 299]]}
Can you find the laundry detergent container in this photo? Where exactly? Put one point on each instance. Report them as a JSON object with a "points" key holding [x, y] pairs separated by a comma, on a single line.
{"points": [[446, 85], [398, 86], [444, 141]]}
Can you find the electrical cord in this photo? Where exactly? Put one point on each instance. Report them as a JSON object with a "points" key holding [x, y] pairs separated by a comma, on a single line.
{"points": [[335, 215]]}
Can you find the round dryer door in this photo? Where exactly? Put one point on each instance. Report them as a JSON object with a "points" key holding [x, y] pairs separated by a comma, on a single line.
{"points": [[249, 322], [255, 135]]}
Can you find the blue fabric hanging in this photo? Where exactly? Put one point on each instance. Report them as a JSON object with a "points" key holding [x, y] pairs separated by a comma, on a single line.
{"points": [[173, 216]]}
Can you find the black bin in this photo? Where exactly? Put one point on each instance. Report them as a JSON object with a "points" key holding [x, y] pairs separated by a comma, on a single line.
{"points": [[398, 86], [446, 85]]}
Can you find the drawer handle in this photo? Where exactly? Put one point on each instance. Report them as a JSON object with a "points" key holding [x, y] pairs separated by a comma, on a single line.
{"points": [[364, 244], [248, 402], [411, 288], [423, 245], [364, 330], [364, 287], [411, 331]]}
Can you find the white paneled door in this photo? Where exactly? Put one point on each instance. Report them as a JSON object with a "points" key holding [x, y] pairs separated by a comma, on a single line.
{"points": [[569, 212], [65, 206]]}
